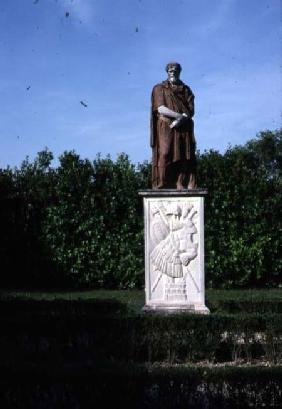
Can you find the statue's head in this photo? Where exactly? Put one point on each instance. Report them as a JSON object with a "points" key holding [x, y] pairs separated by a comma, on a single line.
{"points": [[173, 70]]}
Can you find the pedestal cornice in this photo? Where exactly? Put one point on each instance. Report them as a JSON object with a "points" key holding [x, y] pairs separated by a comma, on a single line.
{"points": [[173, 192]]}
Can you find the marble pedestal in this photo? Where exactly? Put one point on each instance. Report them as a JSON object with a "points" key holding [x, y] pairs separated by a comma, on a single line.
{"points": [[174, 250]]}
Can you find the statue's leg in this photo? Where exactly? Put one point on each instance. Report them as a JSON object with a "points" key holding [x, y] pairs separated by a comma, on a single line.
{"points": [[192, 180], [161, 177], [180, 181], [163, 164], [181, 170], [186, 175], [192, 184]]}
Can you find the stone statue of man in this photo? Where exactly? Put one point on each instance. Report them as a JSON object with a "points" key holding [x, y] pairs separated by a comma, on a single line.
{"points": [[172, 133]]}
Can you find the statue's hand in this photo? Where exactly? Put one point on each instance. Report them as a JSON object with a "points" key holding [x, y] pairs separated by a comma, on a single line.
{"points": [[180, 121], [174, 124]]}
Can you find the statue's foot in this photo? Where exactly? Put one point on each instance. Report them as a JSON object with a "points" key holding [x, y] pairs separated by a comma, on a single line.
{"points": [[179, 186], [160, 186], [192, 182]]}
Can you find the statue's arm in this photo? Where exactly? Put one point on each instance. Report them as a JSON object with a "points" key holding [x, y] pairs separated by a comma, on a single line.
{"points": [[179, 118], [190, 98], [168, 112]]}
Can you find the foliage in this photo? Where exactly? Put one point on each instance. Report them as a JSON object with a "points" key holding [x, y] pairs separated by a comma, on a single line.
{"points": [[243, 213], [25, 193], [56, 349], [139, 386], [85, 330], [94, 229], [81, 224]]}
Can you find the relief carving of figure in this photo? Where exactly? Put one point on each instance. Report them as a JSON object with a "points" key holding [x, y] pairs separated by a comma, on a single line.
{"points": [[173, 238]]}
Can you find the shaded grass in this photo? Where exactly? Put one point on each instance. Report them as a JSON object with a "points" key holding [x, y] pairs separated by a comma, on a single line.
{"points": [[217, 300], [134, 299], [245, 295]]}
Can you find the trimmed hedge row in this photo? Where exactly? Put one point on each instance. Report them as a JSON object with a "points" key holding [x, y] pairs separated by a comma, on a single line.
{"points": [[140, 387], [80, 332]]}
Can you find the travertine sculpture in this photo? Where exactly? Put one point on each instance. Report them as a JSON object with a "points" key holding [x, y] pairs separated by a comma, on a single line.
{"points": [[172, 133], [174, 250], [174, 208]]}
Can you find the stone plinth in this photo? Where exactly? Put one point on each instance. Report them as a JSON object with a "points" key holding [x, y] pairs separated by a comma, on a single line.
{"points": [[174, 250]]}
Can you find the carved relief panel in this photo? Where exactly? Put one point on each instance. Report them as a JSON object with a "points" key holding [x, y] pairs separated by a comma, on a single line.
{"points": [[174, 251]]}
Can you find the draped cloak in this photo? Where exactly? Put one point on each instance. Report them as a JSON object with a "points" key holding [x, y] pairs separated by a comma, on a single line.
{"points": [[176, 144]]}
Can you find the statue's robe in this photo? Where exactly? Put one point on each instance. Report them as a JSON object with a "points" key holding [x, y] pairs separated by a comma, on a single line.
{"points": [[176, 145]]}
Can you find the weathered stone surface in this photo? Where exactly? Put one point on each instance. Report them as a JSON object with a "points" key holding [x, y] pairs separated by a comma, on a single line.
{"points": [[174, 250], [172, 133]]}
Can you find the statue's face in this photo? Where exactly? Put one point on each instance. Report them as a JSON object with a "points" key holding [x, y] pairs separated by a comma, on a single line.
{"points": [[173, 73]]}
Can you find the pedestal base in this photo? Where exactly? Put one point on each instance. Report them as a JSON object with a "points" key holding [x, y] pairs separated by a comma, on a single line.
{"points": [[174, 251], [176, 309]]}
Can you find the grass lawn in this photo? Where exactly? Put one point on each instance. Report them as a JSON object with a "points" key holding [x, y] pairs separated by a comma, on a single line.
{"points": [[135, 299]]}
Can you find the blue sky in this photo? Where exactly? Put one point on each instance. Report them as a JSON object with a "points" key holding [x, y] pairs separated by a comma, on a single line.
{"points": [[110, 53]]}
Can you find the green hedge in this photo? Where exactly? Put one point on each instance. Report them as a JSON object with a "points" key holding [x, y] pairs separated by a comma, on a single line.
{"points": [[97, 353], [140, 387], [81, 223], [39, 331]]}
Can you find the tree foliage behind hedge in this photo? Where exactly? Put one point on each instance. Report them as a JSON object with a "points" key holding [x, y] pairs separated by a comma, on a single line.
{"points": [[81, 223], [244, 212]]}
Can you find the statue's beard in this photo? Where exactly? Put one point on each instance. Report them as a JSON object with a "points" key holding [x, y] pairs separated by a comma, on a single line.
{"points": [[173, 79]]}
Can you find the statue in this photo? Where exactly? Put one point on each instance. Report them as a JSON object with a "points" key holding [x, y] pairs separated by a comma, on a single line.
{"points": [[172, 133]]}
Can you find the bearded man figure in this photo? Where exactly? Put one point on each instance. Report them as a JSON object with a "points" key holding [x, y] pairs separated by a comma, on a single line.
{"points": [[172, 133]]}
